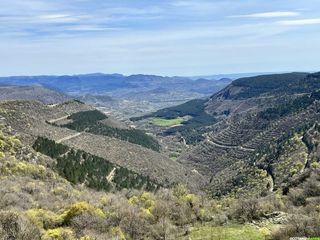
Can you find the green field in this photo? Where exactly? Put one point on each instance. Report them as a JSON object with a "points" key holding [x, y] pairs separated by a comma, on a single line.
{"points": [[230, 232], [167, 122]]}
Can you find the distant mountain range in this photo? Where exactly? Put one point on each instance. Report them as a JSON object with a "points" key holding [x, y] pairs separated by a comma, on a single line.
{"points": [[123, 96], [232, 76], [101, 83]]}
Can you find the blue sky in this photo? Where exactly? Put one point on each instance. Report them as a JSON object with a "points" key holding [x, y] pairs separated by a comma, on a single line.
{"points": [[165, 37]]}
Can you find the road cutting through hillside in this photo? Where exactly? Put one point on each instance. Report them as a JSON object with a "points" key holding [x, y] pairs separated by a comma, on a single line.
{"points": [[58, 119], [230, 147], [111, 175], [69, 137]]}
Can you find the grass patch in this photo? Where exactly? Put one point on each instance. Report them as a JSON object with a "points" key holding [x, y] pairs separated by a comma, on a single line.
{"points": [[230, 232], [195, 120], [167, 122]]}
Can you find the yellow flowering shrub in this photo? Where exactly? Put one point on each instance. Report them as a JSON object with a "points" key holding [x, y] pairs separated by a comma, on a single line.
{"points": [[133, 200], [43, 219], [58, 234], [104, 201], [118, 233], [25, 168], [145, 196], [265, 231], [85, 238], [190, 198], [79, 208]]}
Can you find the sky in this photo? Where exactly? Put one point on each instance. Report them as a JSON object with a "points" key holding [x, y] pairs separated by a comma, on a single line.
{"points": [[163, 37]]}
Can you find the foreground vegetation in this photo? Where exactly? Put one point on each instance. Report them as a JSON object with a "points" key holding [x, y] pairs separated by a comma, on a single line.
{"points": [[37, 203]]}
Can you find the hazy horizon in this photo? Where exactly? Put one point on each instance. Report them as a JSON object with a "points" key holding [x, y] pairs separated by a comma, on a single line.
{"points": [[205, 76], [167, 38]]}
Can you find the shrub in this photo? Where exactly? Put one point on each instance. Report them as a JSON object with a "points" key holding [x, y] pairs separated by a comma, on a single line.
{"points": [[299, 226], [79, 208], [87, 222], [25, 168], [297, 197], [247, 210], [118, 233], [44, 219], [59, 234], [15, 226], [311, 188]]}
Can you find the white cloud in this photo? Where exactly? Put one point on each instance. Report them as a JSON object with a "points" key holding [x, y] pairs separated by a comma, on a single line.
{"points": [[90, 28], [300, 22], [54, 16], [147, 36], [269, 14], [57, 18], [21, 20]]}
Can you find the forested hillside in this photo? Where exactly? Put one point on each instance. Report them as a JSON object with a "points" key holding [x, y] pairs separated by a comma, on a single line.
{"points": [[80, 167], [121, 146], [248, 117], [192, 128], [237, 147], [89, 121], [255, 86]]}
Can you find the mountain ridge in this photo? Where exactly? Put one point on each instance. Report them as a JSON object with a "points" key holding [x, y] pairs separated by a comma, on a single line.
{"points": [[247, 116], [33, 120]]}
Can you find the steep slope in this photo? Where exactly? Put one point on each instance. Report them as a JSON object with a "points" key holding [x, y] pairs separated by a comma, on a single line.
{"points": [[38, 204], [247, 93], [262, 111], [243, 122], [33, 120]]}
